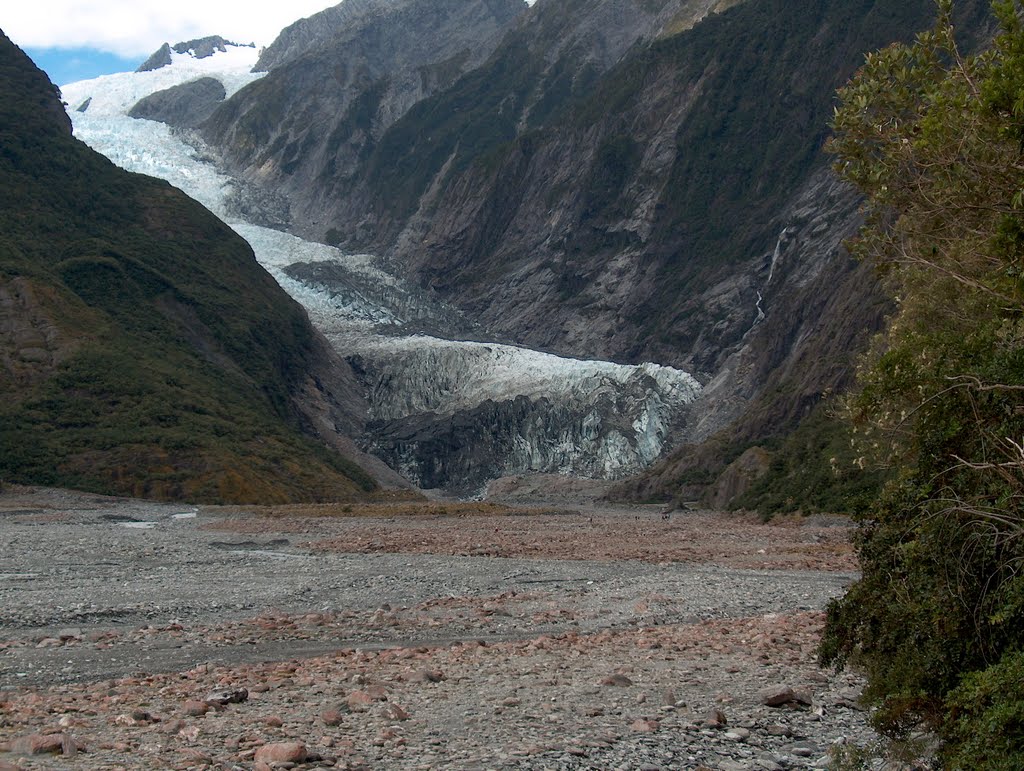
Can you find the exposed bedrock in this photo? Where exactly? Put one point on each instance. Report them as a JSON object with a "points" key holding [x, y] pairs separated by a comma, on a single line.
{"points": [[183, 106]]}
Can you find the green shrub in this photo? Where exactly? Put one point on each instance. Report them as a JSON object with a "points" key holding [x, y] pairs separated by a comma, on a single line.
{"points": [[987, 718], [933, 137]]}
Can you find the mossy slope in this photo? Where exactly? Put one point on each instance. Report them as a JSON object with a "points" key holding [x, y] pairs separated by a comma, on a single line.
{"points": [[143, 351]]}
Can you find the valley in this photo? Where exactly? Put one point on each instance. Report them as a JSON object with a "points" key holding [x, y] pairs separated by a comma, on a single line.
{"points": [[450, 406], [460, 384]]}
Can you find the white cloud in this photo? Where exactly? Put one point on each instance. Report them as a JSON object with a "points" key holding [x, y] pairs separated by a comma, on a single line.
{"points": [[135, 28]]}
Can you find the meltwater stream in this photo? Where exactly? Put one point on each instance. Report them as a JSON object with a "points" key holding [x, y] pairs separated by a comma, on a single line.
{"points": [[446, 411]]}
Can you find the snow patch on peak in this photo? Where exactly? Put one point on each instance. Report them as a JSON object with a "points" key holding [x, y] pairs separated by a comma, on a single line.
{"points": [[114, 95]]}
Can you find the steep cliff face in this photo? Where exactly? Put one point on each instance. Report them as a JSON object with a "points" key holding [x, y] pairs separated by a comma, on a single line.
{"points": [[571, 199], [638, 219], [142, 349], [336, 82]]}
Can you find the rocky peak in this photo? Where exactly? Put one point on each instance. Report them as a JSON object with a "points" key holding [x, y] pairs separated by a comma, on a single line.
{"points": [[200, 48], [319, 29]]}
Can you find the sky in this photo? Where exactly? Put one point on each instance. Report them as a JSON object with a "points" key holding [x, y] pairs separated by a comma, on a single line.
{"points": [[79, 39]]}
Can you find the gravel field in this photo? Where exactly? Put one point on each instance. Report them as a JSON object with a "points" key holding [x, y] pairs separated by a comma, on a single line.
{"points": [[577, 637]]}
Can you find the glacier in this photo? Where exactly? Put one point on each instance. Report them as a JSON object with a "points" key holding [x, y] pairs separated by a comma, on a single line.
{"points": [[451, 407]]}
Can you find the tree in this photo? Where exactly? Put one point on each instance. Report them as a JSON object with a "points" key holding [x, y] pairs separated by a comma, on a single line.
{"points": [[934, 138]]}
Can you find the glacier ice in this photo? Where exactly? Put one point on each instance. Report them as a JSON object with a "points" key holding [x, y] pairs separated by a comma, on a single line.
{"points": [[446, 410]]}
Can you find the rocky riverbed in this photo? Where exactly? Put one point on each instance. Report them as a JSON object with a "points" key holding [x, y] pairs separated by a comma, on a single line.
{"points": [[415, 635]]}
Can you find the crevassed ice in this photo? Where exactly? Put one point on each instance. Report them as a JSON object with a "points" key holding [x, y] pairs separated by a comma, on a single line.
{"points": [[445, 376]]}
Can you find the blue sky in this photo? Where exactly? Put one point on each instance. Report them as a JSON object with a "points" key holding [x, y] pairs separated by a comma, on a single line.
{"points": [[66, 65]]}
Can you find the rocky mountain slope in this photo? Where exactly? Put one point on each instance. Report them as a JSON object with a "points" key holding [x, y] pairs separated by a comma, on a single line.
{"points": [[337, 80], [634, 181], [142, 349]]}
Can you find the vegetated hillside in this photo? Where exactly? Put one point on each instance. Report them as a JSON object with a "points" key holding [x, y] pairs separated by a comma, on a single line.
{"points": [[337, 80], [142, 349]]}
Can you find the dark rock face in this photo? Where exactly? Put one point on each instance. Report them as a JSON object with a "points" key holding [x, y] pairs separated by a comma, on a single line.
{"points": [[183, 106], [386, 58], [367, 65], [636, 222], [161, 57]]}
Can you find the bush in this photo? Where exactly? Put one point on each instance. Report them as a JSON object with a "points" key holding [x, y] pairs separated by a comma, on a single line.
{"points": [[933, 137]]}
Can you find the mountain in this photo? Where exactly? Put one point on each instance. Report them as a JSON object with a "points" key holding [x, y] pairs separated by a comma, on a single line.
{"points": [[337, 80], [143, 350], [635, 211], [623, 180], [449, 406], [199, 48]]}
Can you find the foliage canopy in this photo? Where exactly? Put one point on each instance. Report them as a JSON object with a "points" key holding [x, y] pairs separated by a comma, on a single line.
{"points": [[934, 137]]}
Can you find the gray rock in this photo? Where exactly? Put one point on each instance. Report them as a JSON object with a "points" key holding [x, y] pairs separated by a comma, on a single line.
{"points": [[227, 696], [804, 750], [775, 695], [715, 718], [161, 57], [182, 106], [619, 680]]}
